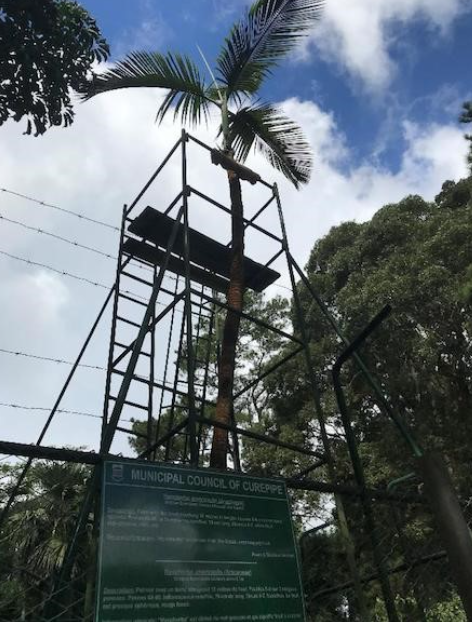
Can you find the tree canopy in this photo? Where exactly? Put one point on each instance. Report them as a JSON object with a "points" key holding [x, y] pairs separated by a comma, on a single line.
{"points": [[47, 49], [415, 255]]}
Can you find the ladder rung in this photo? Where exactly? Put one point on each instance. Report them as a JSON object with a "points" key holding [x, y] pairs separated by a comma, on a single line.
{"points": [[130, 322], [137, 278], [127, 350], [196, 384], [125, 347], [131, 299], [133, 404], [132, 432]]}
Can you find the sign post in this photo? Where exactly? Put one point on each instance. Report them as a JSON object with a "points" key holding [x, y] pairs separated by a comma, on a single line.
{"points": [[184, 545]]}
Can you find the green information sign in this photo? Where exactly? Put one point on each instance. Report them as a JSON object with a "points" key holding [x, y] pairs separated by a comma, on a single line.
{"points": [[180, 545]]}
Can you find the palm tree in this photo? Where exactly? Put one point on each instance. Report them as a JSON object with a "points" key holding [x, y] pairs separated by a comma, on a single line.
{"points": [[41, 523], [255, 45]]}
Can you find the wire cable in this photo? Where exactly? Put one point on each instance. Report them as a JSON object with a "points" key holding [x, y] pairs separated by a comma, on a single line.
{"points": [[50, 359], [73, 243], [61, 209], [58, 237], [82, 217], [70, 275], [79, 413], [52, 269]]}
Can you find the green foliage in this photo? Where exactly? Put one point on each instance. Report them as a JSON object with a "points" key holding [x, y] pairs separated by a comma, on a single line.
{"points": [[448, 611], [173, 451], [417, 256], [278, 138], [466, 117], [40, 525], [178, 74], [46, 49], [256, 44]]}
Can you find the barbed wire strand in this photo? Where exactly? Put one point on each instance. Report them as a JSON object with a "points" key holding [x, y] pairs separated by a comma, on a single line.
{"points": [[83, 217], [61, 209], [73, 243], [79, 413], [57, 237], [71, 275], [49, 359]]}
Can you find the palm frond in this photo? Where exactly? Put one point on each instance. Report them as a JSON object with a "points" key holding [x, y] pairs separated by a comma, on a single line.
{"points": [[277, 137], [255, 44], [179, 75]]}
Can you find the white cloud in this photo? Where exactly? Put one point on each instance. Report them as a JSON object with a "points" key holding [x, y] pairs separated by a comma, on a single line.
{"points": [[358, 35], [101, 162], [151, 33]]}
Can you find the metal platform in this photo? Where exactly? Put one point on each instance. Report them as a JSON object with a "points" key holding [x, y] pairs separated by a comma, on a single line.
{"points": [[210, 259]]}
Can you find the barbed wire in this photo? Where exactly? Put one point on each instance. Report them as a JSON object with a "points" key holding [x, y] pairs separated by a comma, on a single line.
{"points": [[56, 270], [72, 276], [79, 413], [57, 237], [74, 243], [49, 359], [64, 362], [61, 209], [83, 217]]}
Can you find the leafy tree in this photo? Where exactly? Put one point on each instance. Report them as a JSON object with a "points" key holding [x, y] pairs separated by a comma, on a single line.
{"points": [[254, 47], [46, 49], [174, 450], [415, 255]]}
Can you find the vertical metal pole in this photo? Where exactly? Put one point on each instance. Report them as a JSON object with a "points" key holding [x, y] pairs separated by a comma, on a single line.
{"points": [[420, 610], [366, 502], [343, 525], [166, 368], [152, 363], [191, 428], [175, 387], [235, 438], [201, 413], [451, 524], [196, 351], [358, 468], [111, 346], [407, 553]]}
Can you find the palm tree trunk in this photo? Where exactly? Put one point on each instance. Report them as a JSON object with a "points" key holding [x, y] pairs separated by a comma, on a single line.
{"points": [[229, 342]]}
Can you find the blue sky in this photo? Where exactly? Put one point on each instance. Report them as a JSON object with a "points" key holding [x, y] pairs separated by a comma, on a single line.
{"points": [[377, 90], [428, 48]]}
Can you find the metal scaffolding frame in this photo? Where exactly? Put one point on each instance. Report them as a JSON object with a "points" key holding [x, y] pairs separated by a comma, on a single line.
{"points": [[173, 391]]}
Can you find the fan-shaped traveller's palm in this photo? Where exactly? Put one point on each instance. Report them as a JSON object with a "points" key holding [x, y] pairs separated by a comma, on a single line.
{"points": [[254, 47]]}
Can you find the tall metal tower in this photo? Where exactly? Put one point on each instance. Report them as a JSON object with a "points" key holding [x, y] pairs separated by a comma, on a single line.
{"points": [[169, 292]]}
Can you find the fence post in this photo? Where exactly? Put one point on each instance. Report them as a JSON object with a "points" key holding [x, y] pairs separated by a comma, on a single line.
{"points": [[451, 524]]}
